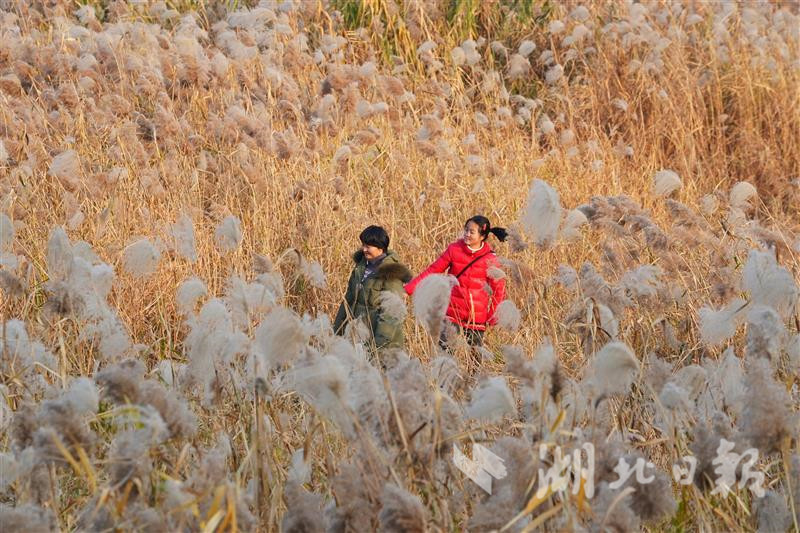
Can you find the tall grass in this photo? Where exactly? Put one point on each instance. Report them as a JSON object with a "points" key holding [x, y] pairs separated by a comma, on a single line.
{"points": [[247, 123]]}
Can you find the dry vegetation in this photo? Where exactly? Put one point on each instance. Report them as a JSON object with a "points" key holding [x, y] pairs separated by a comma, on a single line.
{"points": [[182, 185]]}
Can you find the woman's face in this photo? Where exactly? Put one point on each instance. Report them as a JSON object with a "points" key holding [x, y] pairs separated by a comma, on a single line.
{"points": [[472, 234], [371, 252]]}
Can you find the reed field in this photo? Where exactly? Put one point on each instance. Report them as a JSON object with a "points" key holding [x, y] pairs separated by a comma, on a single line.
{"points": [[182, 187]]}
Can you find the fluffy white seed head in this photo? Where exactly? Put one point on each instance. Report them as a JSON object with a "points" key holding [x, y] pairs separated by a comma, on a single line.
{"points": [[140, 258], [692, 378], [401, 511], [620, 104], [446, 373], [59, 254], [313, 273], [570, 229], [220, 64], [555, 26], [608, 321], [380, 107], [183, 236], [717, 326], [279, 338], [16, 345], [545, 360], [12, 469], [793, 353], [674, 397], [579, 13], [426, 47], [431, 298], [566, 276], [567, 137], [642, 281], [470, 49], [613, 369], [498, 49], [458, 56], [342, 155], [188, 293], [772, 513], [66, 167], [168, 370], [392, 305], [495, 272], [623, 150], [729, 377], [322, 382], [6, 232], [300, 468], [741, 195], [526, 48], [769, 283], [693, 19], [364, 109], [114, 339], [491, 400], [209, 338], [546, 126], [228, 235], [508, 316], [579, 32], [102, 280], [542, 214], [708, 204], [518, 67], [82, 396], [766, 333], [665, 182], [554, 73], [358, 330], [367, 70]]}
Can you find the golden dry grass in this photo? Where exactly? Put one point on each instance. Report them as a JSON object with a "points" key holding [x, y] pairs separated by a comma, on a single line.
{"points": [[713, 122]]}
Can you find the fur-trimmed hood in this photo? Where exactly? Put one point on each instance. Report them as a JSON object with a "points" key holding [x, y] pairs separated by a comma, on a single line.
{"points": [[390, 267]]}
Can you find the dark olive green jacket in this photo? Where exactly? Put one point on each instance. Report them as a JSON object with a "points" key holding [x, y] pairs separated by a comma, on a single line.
{"points": [[363, 299]]}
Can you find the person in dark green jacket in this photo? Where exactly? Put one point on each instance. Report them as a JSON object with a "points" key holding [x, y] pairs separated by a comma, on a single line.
{"points": [[377, 270]]}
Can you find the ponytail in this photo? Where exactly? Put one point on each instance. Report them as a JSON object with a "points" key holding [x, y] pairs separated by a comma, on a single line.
{"points": [[500, 233], [486, 228]]}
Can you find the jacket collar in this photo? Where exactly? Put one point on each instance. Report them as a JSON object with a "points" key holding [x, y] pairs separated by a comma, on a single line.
{"points": [[378, 260], [485, 249], [390, 267]]}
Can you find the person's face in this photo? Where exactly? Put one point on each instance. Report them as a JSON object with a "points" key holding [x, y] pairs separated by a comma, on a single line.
{"points": [[472, 234], [371, 252]]}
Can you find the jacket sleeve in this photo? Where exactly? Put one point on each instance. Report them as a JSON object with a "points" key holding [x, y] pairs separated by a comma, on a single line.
{"points": [[386, 326], [344, 307], [498, 287], [437, 267]]}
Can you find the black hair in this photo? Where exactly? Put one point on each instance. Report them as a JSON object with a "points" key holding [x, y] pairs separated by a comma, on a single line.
{"points": [[375, 236], [485, 228]]}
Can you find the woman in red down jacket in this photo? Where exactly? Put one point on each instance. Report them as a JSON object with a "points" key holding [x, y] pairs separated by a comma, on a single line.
{"points": [[476, 297]]}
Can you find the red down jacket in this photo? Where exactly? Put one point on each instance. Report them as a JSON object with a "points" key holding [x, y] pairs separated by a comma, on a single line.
{"points": [[475, 298]]}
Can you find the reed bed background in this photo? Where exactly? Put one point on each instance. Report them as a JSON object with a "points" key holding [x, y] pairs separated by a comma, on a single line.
{"points": [[646, 157]]}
